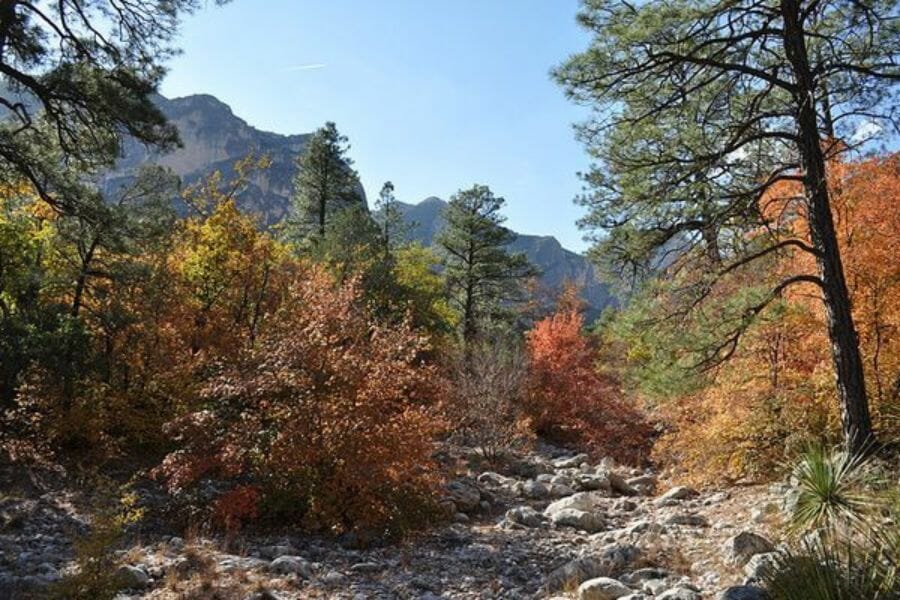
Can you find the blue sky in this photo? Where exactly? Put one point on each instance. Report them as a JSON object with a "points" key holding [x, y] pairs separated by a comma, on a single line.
{"points": [[434, 95]]}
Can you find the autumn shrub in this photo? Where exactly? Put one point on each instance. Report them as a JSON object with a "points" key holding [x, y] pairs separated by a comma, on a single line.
{"points": [[485, 406], [94, 575], [329, 415], [569, 401], [746, 417]]}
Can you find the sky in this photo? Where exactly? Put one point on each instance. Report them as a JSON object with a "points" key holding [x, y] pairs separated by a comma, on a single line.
{"points": [[434, 95]]}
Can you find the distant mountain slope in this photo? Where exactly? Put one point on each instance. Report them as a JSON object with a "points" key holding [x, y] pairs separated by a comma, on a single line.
{"points": [[214, 138], [557, 264]]}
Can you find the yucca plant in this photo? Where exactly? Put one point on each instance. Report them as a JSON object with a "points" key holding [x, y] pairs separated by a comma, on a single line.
{"points": [[851, 538], [833, 494], [824, 570]]}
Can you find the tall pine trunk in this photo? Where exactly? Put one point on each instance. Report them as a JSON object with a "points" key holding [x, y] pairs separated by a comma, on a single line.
{"points": [[848, 366]]}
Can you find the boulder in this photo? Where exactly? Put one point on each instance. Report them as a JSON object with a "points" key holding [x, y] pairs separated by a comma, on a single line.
{"points": [[679, 593], [577, 519], [688, 519], [759, 566], [602, 588], [291, 565], [464, 494], [586, 501], [741, 547], [676, 494], [743, 592], [524, 515], [132, 578]]}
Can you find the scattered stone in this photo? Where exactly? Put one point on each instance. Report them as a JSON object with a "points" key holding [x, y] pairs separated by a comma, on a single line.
{"points": [[132, 578], [759, 566], [740, 548], [524, 515], [676, 494], [578, 519], [602, 588], [743, 592], [291, 565]]}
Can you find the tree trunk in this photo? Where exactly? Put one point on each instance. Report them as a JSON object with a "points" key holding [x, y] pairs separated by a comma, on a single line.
{"points": [[848, 366]]}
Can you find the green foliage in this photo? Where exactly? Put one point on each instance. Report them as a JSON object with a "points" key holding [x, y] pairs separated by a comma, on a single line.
{"points": [[483, 278], [325, 184], [95, 575], [849, 549], [823, 572], [832, 494]]}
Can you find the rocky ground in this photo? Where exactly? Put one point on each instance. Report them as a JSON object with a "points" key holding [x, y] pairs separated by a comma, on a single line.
{"points": [[548, 526]]}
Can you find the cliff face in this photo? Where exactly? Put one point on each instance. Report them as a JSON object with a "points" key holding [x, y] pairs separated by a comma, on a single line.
{"points": [[213, 139], [557, 264]]}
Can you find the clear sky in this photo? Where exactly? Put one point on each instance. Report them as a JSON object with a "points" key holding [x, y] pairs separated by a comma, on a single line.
{"points": [[434, 95]]}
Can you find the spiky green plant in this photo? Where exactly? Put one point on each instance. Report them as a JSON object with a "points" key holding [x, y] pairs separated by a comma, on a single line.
{"points": [[833, 496], [853, 554], [824, 570]]}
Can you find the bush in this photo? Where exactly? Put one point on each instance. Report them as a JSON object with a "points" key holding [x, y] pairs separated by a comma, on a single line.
{"points": [[486, 401], [848, 549], [568, 401], [329, 414]]}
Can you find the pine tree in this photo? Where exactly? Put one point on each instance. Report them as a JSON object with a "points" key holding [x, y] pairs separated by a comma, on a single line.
{"points": [[394, 229], [790, 82], [482, 276], [325, 183]]}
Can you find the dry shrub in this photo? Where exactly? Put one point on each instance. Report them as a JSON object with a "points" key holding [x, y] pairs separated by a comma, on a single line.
{"points": [[569, 402], [328, 414], [485, 408]]}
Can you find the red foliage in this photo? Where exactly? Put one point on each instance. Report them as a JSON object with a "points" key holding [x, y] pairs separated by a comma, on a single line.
{"points": [[329, 412], [569, 401], [237, 506]]}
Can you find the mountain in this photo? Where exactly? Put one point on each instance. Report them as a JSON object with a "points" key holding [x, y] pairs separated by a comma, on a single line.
{"points": [[214, 138], [557, 264]]}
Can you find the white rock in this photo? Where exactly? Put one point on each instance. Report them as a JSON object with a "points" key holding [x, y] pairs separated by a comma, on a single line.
{"points": [[524, 515], [586, 501], [291, 565], [578, 519], [679, 593], [676, 494], [759, 566], [602, 588]]}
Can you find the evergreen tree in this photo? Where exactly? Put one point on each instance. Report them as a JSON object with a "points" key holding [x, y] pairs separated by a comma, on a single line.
{"points": [[482, 276], [325, 182], [77, 77], [394, 228], [787, 82]]}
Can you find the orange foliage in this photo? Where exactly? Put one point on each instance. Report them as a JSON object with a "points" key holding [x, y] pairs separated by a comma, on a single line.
{"points": [[328, 412], [569, 401], [777, 392]]}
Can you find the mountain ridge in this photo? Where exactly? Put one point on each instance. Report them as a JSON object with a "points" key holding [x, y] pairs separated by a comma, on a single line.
{"points": [[214, 138]]}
